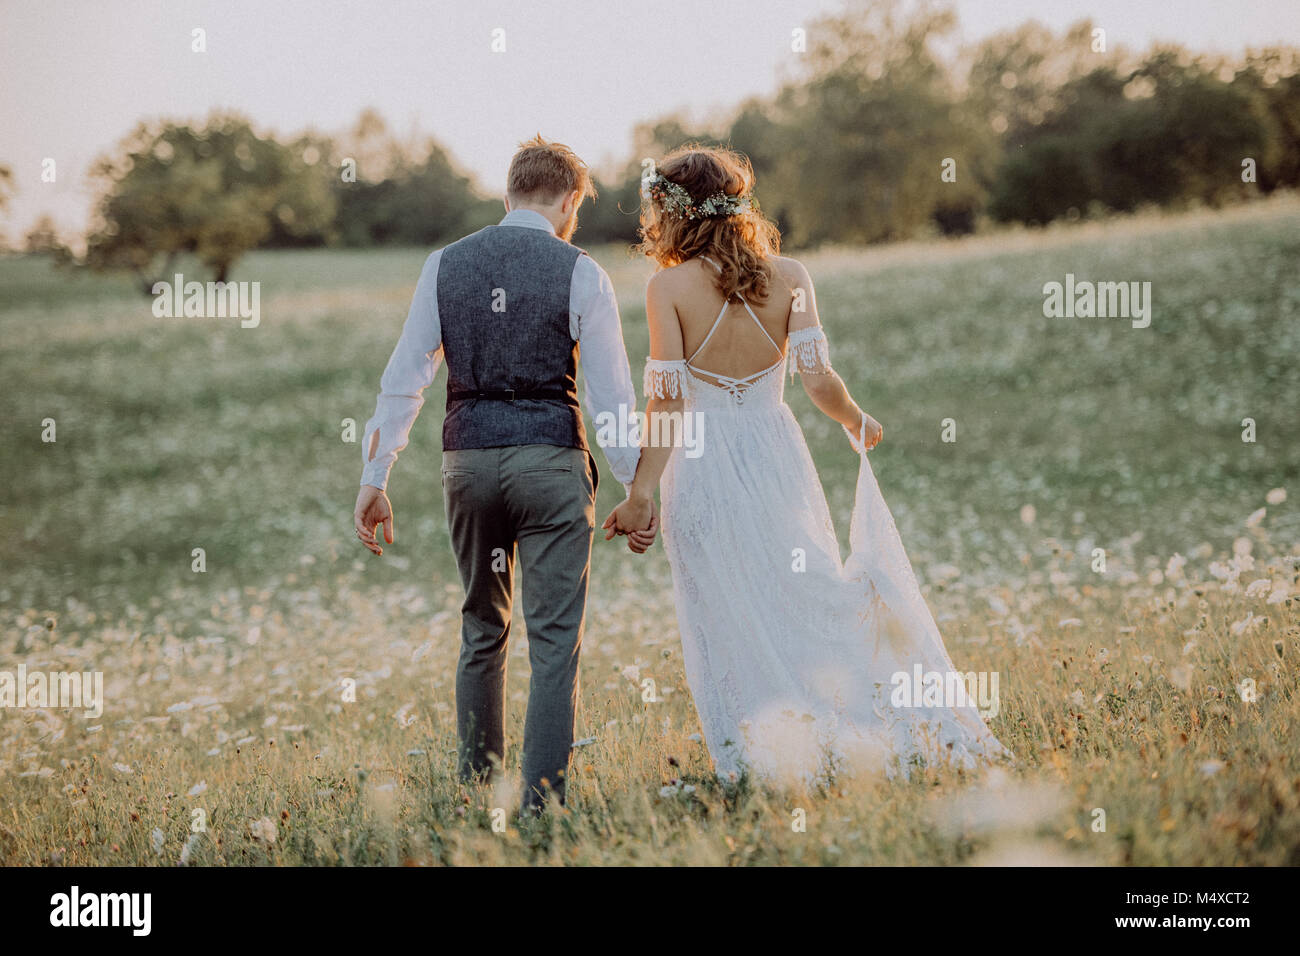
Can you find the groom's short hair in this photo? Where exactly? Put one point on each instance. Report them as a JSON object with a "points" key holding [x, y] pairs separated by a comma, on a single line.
{"points": [[544, 172]]}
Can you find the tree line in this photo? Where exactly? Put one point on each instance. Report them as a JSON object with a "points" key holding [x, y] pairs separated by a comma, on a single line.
{"points": [[881, 135]]}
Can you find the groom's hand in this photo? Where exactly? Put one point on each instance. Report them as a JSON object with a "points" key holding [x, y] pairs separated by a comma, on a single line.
{"points": [[372, 510]]}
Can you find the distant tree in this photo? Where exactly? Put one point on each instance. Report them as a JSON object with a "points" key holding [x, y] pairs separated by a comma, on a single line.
{"points": [[43, 240], [6, 186], [1014, 81], [653, 140], [215, 190], [868, 127], [614, 215], [1272, 78], [406, 192], [378, 153], [435, 203], [1171, 130], [309, 186], [1046, 170], [1015, 77], [755, 132], [6, 190]]}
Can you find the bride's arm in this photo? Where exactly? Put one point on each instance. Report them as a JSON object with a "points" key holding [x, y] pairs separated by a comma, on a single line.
{"points": [[664, 397], [831, 396], [811, 357]]}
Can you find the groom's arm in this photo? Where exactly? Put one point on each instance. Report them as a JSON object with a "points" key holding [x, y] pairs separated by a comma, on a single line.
{"points": [[594, 322], [411, 369]]}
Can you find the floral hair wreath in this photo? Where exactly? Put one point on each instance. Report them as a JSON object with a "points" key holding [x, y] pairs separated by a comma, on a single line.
{"points": [[674, 200]]}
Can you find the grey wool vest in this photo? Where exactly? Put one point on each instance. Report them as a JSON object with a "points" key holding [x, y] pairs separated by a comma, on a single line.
{"points": [[503, 301]]}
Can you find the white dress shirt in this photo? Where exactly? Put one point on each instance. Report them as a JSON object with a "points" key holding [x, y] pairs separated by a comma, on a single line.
{"points": [[593, 323]]}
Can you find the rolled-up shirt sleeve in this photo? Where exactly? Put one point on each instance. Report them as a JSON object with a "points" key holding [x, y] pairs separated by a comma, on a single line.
{"points": [[410, 370], [602, 356]]}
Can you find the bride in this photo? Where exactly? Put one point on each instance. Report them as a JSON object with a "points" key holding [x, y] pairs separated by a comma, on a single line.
{"points": [[799, 664]]}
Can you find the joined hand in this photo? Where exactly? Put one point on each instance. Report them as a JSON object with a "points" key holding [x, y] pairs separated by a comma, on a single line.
{"points": [[638, 519]]}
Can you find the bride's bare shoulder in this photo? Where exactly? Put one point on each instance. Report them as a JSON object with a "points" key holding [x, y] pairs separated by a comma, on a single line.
{"points": [[682, 272], [681, 279], [790, 270]]}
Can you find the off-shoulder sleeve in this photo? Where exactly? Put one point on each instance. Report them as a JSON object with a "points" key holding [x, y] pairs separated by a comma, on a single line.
{"points": [[665, 378], [809, 351]]}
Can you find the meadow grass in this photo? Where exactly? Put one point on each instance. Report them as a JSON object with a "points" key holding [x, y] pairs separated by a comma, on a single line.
{"points": [[1155, 696]]}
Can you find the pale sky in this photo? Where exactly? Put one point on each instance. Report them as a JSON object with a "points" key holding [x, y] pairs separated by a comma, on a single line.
{"points": [[77, 76]]}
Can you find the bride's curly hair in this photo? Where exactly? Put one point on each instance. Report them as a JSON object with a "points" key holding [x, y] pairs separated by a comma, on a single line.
{"points": [[741, 244]]}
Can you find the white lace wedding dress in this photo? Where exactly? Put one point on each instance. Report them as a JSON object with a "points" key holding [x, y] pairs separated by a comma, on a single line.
{"points": [[791, 654]]}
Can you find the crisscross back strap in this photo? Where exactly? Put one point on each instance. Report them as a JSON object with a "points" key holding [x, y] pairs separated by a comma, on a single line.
{"points": [[718, 321]]}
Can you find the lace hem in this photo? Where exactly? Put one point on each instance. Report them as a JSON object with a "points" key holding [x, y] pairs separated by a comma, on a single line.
{"points": [[664, 378], [809, 351]]}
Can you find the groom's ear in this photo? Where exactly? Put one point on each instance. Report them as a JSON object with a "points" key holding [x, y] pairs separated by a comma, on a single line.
{"points": [[571, 203], [506, 201]]}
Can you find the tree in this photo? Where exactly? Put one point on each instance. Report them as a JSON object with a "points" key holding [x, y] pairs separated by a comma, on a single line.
{"points": [[758, 134], [43, 240], [1171, 130], [6, 186], [1272, 78], [215, 190], [404, 192], [868, 128], [6, 190]]}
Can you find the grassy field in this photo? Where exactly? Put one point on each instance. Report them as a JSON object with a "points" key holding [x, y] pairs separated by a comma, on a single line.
{"points": [[1125, 694]]}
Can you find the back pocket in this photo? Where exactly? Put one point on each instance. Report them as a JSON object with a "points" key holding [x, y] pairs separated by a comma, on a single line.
{"points": [[548, 460]]}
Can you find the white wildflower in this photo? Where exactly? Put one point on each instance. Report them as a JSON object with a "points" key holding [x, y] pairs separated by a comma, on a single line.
{"points": [[263, 830], [1258, 587], [188, 849], [1246, 623]]}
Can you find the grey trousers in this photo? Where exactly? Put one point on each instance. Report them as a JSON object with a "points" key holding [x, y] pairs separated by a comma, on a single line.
{"points": [[540, 499]]}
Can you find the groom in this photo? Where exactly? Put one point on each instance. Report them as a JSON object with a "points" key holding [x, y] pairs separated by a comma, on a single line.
{"points": [[514, 310]]}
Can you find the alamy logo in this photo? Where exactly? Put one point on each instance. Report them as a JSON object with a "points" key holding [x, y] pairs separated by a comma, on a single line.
{"points": [[82, 690], [634, 429], [948, 689], [208, 300], [102, 909], [1101, 300]]}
